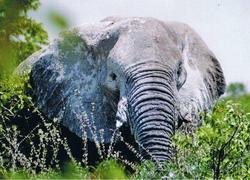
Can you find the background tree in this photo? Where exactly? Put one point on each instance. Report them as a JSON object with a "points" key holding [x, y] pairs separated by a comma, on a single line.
{"points": [[19, 35], [236, 89]]}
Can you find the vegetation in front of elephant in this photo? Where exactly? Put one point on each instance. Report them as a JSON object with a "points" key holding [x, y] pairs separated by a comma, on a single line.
{"points": [[219, 149]]}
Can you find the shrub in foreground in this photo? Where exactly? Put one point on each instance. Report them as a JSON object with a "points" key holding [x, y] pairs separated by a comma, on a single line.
{"points": [[30, 144]]}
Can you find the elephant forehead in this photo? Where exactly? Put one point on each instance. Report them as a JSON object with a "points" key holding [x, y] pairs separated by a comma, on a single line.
{"points": [[135, 48], [132, 40], [145, 39]]}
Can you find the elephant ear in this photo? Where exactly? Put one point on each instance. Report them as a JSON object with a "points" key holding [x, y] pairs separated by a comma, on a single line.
{"points": [[204, 77], [66, 78]]}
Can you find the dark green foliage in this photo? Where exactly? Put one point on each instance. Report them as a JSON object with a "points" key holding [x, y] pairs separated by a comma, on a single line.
{"points": [[25, 135], [108, 169], [219, 149], [19, 35]]}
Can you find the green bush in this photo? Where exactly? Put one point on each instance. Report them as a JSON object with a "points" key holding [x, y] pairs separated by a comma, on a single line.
{"points": [[19, 35], [25, 135], [220, 148]]}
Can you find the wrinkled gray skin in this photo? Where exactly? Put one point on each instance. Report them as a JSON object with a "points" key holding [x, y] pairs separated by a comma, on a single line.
{"points": [[141, 71]]}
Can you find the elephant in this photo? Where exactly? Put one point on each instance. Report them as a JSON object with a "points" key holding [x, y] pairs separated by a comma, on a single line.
{"points": [[148, 74]]}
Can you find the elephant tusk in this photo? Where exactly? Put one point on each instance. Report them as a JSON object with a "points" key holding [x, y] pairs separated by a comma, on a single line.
{"points": [[122, 112]]}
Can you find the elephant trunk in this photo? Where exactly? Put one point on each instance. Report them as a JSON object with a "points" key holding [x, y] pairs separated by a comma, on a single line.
{"points": [[152, 111]]}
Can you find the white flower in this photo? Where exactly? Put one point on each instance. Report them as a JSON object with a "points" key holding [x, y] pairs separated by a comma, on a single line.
{"points": [[192, 168], [171, 175]]}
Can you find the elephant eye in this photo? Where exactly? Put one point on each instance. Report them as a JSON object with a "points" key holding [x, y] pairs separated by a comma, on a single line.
{"points": [[179, 69], [179, 72], [181, 75], [113, 76]]}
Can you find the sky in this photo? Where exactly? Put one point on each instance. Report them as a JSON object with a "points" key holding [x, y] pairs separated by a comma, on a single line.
{"points": [[223, 24]]}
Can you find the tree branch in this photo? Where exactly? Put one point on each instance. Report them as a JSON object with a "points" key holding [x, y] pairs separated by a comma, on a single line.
{"points": [[222, 155]]}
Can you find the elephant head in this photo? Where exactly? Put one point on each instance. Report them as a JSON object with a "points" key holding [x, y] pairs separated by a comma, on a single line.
{"points": [[142, 72]]}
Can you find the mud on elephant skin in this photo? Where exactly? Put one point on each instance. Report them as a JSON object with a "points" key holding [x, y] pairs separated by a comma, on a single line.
{"points": [[143, 72]]}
